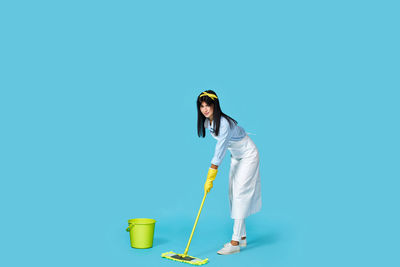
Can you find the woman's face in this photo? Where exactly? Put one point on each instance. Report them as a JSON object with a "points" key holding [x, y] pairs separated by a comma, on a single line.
{"points": [[207, 110]]}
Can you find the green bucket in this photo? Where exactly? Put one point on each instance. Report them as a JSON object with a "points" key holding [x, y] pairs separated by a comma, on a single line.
{"points": [[141, 232]]}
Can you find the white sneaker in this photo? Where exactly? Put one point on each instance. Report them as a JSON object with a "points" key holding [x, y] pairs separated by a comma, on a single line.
{"points": [[242, 243], [229, 249]]}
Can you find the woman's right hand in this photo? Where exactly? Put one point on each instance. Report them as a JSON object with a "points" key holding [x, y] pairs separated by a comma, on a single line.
{"points": [[212, 173]]}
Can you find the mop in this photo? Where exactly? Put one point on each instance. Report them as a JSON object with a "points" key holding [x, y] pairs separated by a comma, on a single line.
{"points": [[184, 257]]}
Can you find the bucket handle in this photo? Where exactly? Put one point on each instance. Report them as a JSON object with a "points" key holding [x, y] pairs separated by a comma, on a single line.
{"points": [[130, 227]]}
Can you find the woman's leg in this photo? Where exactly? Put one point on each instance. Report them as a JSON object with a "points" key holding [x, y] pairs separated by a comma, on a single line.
{"points": [[239, 231]]}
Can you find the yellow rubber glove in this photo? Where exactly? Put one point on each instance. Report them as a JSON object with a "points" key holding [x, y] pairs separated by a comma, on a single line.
{"points": [[212, 173]]}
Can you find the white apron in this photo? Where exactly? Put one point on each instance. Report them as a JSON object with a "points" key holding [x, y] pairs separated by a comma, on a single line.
{"points": [[244, 178]]}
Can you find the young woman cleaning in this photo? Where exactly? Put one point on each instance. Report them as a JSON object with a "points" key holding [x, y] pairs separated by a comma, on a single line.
{"points": [[244, 174]]}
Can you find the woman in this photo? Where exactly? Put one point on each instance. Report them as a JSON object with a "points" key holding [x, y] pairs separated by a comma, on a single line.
{"points": [[244, 174]]}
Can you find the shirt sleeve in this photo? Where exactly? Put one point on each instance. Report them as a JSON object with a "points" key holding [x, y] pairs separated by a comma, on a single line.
{"points": [[223, 138]]}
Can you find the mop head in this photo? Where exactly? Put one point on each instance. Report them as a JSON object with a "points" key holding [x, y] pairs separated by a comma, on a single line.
{"points": [[184, 258]]}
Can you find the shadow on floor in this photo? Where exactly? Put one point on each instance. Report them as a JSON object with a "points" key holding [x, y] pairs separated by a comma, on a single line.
{"points": [[265, 239], [159, 241]]}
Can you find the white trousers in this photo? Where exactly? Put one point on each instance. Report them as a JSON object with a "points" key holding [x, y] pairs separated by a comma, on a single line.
{"points": [[239, 229]]}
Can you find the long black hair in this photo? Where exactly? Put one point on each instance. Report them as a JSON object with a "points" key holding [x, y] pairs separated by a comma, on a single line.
{"points": [[216, 114]]}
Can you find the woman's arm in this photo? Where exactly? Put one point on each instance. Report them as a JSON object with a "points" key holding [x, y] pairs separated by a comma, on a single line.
{"points": [[223, 138]]}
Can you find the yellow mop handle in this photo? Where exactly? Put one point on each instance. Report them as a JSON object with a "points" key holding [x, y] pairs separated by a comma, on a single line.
{"points": [[194, 227]]}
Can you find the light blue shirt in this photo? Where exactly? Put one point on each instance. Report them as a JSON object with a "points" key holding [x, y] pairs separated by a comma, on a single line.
{"points": [[226, 134]]}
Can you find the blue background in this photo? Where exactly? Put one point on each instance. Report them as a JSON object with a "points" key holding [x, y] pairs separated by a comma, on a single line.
{"points": [[98, 126]]}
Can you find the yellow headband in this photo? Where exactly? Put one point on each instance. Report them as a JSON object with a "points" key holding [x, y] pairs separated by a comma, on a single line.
{"points": [[212, 96]]}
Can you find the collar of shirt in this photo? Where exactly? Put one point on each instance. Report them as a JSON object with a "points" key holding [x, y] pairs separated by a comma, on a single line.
{"points": [[207, 123]]}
